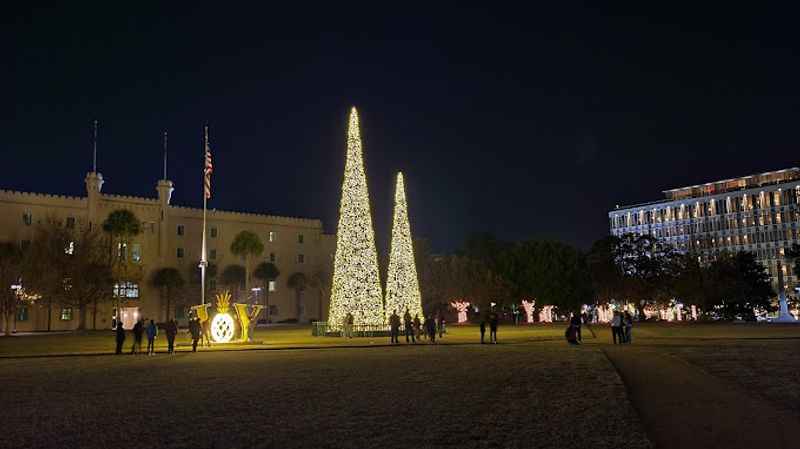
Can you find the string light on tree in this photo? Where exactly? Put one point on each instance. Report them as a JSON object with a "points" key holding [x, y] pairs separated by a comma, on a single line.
{"points": [[529, 307], [461, 307], [402, 284], [356, 287]]}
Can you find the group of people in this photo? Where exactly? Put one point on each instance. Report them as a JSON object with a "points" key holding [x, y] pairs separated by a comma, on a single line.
{"points": [[151, 330], [414, 329], [493, 319], [621, 327], [200, 332]]}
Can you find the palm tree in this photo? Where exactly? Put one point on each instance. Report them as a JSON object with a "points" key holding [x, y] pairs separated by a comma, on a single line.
{"points": [[233, 276], [266, 272], [170, 281], [247, 244], [320, 281], [121, 225], [298, 282]]}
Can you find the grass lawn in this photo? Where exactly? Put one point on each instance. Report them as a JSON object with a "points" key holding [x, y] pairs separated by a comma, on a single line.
{"points": [[767, 368], [543, 395], [93, 342]]}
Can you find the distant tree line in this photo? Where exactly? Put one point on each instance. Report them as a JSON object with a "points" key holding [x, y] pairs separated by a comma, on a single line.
{"points": [[639, 270]]}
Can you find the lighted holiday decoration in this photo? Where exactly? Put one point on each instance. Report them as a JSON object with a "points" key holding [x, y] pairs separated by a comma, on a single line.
{"points": [[222, 325], [356, 287], [246, 318], [529, 307], [402, 285], [461, 307], [546, 314]]}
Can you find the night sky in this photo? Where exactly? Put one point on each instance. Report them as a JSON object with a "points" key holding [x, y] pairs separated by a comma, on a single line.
{"points": [[526, 123]]}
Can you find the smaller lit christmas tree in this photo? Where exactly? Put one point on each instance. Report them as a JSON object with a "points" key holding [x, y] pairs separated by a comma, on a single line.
{"points": [[402, 285]]}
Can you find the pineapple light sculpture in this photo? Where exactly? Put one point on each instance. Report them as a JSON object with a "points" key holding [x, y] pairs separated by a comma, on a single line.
{"points": [[222, 326]]}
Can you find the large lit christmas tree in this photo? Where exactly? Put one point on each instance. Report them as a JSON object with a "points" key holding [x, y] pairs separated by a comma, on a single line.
{"points": [[356, 286], [402, 285]]}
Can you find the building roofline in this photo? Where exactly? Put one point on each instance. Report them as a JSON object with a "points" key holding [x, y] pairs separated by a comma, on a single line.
{"points": [[733, 179]]}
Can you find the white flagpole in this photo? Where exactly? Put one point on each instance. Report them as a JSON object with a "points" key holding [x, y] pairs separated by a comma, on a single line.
{"points": [[203, 261]]}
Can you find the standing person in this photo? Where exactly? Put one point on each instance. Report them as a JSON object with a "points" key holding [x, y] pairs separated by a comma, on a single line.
{"points": [[616, 326], [575, 322], [571, 334], [152, 333], [430, 326], [138, 331], [120, 334], [394, 327], [205, 333], [172, 331], [440, 324], [349, 327], [483, 330], [408, 327], [194, 329], [417, 326], [493, 322], [628, 322]]}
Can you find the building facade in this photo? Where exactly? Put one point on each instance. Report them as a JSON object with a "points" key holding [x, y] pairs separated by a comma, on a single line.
{"points": [[757, 213], [171, 237]]}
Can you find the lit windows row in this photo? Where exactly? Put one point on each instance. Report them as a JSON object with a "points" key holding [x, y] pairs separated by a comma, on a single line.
{"points": [[212, 255], [213, 232]]}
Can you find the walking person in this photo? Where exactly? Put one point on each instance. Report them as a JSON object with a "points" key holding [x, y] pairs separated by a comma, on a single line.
{"points": [[616, 328], [628, 322], [152, 333], [417, 326], [575, 322], [440, 325], [483, 330], [138, 332], [493, 322], [430, 326], [120, 334], [394, 327], [172, 332], [194, 329], [408, 327]]}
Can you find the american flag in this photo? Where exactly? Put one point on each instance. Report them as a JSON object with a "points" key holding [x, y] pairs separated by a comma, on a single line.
{"points": [[207, 170]]}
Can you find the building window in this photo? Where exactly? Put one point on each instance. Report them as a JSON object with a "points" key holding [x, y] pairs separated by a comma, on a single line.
{"points": [[272, 286], [272, 236], [213, 233], [272, 257], [70, 248], [181, 230], [70, 222], [212, 284], [212, 254], [126, 290], [22, 313], [180, 253], [66, 314], [299, 238], [27, 218], [301, 258], [136, 253], [273, 309]]}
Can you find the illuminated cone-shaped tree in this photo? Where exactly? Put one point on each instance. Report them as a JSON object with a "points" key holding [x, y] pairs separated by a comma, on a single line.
{"points": [[402, 286], [356, 287]]}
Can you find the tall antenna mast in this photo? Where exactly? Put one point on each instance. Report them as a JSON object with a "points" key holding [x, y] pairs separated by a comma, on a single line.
{"points": [[165, 155], [94, 149]]}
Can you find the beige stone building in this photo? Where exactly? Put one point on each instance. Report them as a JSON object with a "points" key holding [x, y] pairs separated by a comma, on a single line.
{"points": [[171, 237]]}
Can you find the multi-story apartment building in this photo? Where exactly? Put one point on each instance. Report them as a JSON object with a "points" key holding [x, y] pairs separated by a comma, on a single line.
{"points": [[757, 213], [171, 237]]}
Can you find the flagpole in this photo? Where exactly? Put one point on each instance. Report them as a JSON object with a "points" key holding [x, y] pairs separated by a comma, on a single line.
{"points": [[203, 261]]}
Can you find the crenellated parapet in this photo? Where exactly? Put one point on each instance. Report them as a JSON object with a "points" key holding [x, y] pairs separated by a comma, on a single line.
{"points": [[41, 199], [247, 217]]}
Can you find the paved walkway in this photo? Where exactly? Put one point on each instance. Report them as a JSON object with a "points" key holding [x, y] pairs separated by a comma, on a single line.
{"points": [[682, 406]]}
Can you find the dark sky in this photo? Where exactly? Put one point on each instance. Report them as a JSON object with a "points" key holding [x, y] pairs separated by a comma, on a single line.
{"points": [[528, 123]]}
